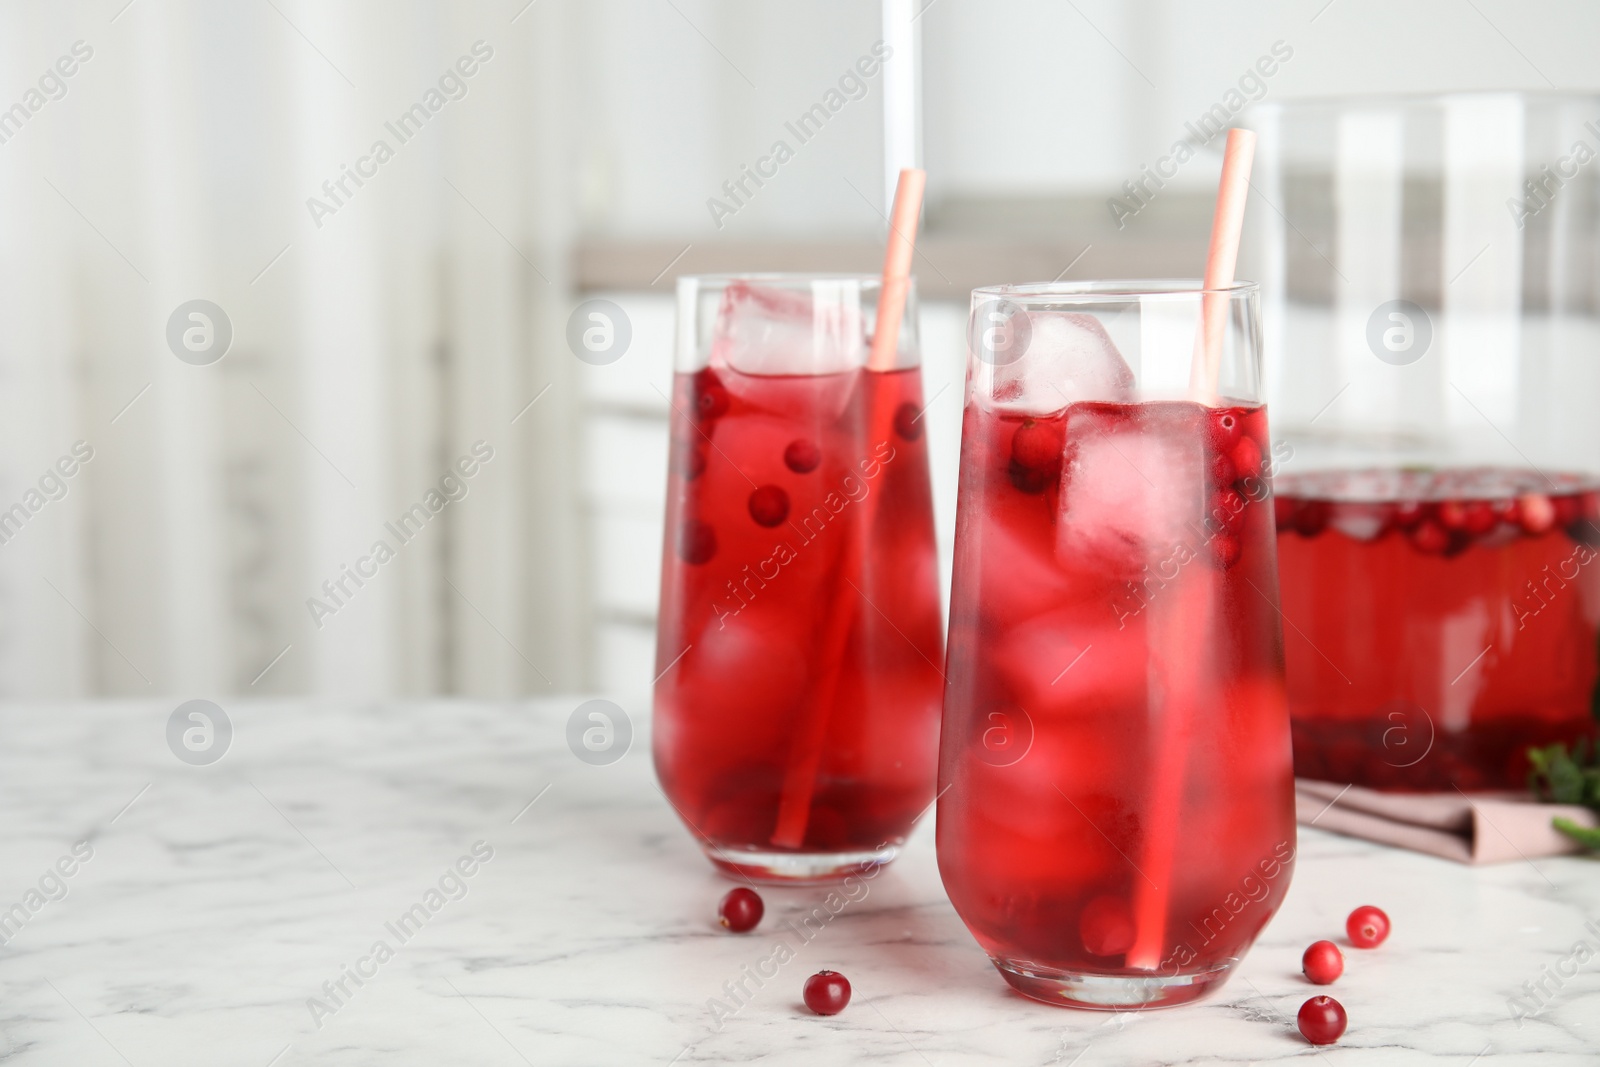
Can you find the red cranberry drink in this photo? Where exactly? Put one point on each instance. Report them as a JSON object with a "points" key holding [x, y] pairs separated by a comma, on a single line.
{"points": [[1444, 620], [796, 714], [1116, 820]]}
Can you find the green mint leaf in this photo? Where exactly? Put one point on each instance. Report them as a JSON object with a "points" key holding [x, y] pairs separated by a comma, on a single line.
{"points": [[1583, 835]]}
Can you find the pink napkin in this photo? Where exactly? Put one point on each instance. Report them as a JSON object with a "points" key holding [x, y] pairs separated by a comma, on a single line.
{"points": [[1468, 828]]}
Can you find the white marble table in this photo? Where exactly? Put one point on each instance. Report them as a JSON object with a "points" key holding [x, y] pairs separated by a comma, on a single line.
{"points": [[221, 899]]}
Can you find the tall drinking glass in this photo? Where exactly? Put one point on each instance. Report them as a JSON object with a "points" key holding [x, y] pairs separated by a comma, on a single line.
{"points": [[1116, 812], [796, 711]]}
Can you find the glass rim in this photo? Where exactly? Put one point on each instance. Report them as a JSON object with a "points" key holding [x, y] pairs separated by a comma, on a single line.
{"points": [[782, 277], [1112, 288], [1360, 101]]}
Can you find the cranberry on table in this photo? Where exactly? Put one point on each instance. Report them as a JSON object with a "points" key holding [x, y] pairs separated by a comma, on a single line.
{"points": [[827, 992], [1322, 1020], [802, 456], [1367, 926], [741, 909], [1322, 962]]}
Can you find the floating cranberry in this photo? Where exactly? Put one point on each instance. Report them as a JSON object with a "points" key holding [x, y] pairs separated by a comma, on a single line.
{"points": [[697, 541], [1227, 510], [1480, 518], [690, 460], [1246, 457], [1311, 517], [769, 505], [802, 456], [1322, 1020], [1535, 513], [710, 399], [827, 992], [1453, 515], [908, 422], [1226, 548], [1028, 480], [1367, 927], [1408, 513], [1322, 962], [1226, 426], [1106, 926], [1221, 469], [1568, 509], [740, 910], [1283, 512], [1430, 538], [1037, 444], [1590, 505]]}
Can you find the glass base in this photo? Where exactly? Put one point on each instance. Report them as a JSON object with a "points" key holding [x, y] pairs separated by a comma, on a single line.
{"points": [[796, 868], [1108, 992]]}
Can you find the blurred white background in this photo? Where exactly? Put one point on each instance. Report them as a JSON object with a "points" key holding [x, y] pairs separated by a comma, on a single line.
{"points": [[378, 337]]}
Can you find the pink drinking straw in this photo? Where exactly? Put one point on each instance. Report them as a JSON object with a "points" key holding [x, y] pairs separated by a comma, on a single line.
{"points": [[800, 780], [1171, 634]]}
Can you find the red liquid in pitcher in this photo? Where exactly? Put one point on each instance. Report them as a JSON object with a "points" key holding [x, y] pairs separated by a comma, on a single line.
{"points": [[1442, 622], [797, 505], [1116, 747]]}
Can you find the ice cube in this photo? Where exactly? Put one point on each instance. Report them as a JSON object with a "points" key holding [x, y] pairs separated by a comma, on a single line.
{"points": [[1069, 357], [766, 330], [1132, 488]]}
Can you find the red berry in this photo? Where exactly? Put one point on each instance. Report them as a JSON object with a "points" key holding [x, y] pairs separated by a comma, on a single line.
{"points": [[1225, 546], [1453, 515], [697, 541], [741, 909], [1430, 538], [1536, 513], [1037, 444], [1323, 962], [1408, 513], [1106, 926], [690, 460], [1246, 457], [802, 456], [1226, 427], [1322, 1020], [1311, 517], [1222, 470], [1283, 512], [1367, 927], [769, 505], [1568, 508], [1227, 510], [827, 992], [908, 422], [1480, 518], [709, 397]]}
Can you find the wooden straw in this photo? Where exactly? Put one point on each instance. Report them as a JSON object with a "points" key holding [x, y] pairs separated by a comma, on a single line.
{"points": [[1181, 667], [800, 779]]}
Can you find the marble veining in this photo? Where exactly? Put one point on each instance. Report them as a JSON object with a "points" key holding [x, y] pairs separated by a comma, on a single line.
{"points": [[218, 906]]}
